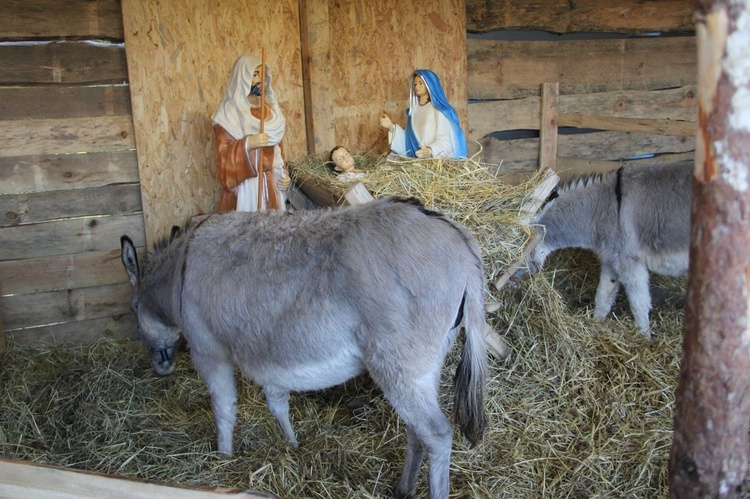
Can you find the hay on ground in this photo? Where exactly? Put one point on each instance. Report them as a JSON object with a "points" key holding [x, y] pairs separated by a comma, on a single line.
{"points": [[582, 408]]}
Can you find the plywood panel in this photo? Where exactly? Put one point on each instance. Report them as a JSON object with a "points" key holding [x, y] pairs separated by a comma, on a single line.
{"points": [[500, 69], [564, 16], [375, 46], [180, 55]]}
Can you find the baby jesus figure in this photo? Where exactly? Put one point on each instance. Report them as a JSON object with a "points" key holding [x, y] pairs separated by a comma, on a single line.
{"points": [[343, 164]]}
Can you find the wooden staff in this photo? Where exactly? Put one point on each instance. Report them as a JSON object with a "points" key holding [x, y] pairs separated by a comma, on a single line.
{"points": [[259, 151]]}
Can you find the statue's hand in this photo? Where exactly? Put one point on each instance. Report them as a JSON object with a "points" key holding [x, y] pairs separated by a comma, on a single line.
{"points": [[424, 152], [385, 121], [284, 182], [256, 141]]}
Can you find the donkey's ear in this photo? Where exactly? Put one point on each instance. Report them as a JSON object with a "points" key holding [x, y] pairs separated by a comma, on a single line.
{"points": [[130, 259], [176, 231]]}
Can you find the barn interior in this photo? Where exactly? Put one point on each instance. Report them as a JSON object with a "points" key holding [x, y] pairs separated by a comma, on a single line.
{"points": [[105, 116]]}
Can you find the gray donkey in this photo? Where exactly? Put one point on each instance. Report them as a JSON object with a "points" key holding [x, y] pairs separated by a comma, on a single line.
{"points": [[635, 219], [307, 300]]}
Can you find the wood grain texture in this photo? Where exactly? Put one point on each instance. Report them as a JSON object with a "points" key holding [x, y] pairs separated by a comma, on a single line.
{"points": [[71, 236], [54, 273], [180, 55], [676, 104], [499, 69], [77, 333], [65, 136], [375, 47], [50, 172], [25, 103], [50, 19], [564, 16], [62, 62]]}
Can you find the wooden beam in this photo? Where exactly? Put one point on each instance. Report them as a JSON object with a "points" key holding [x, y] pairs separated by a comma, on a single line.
{"points": [[52, 19], [548, 126], [564, 16], [658, 127], [21, 480], [501, 69], [317, 75]]}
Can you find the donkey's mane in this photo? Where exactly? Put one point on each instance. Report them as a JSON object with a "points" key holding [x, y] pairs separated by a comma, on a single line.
{"points": [[584, 180]]}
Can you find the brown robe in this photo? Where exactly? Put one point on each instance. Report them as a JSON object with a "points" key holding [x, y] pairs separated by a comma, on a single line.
{"points": [[234, 165]]}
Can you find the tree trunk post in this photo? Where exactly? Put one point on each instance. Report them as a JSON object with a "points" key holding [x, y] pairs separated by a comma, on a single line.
{"points": [[709, 454]]}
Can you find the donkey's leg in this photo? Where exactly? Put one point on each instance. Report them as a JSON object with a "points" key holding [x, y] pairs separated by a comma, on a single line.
{"points": [[412, 464], [278, 403], [635, 282], [219, 377], [417, 405], [606, 292]]}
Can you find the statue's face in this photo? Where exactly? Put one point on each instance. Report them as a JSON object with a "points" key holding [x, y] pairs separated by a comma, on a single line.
{"points": [[420, 89], [255, 84], [343, 160]]}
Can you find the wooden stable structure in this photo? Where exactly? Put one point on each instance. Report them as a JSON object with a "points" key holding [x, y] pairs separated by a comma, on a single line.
{"points": [[105, 116]]}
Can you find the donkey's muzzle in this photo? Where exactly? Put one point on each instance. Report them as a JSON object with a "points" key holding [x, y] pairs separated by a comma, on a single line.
{"points": [[163, 360]]}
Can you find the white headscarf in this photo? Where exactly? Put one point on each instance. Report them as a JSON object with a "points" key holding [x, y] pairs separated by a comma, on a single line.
{"points": [[234, 111]]}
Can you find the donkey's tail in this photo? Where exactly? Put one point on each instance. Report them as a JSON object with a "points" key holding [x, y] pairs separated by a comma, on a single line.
{"points": [[468, 386]]}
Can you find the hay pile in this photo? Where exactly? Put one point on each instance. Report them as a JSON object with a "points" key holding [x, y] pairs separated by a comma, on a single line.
{"points": [[464, 190], [581, 409]]}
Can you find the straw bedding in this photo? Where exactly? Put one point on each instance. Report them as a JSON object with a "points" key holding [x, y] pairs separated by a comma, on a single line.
{"points": [[581, 408]]}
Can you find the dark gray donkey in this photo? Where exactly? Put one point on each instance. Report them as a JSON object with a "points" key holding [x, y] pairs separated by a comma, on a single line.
{"points": [[307, 300], [635, 219]]}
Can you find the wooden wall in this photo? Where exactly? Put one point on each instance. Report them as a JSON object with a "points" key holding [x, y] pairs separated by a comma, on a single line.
{"points": [[357, 60], [361, 56], [68, 173], [180, 55], [617, 76]]}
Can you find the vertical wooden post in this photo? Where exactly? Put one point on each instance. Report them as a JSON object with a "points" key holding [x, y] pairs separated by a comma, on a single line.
{"points": [[548, 126], [315, 36], [709, 454]]}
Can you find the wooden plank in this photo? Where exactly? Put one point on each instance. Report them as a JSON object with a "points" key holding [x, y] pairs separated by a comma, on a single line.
{"points": [[499, 69], [357, 193], [317, 75], [522, 154], [67, 237], [36, 275], [659, 127], [76, 333], [24, 103], [564, 16], [45, 19], [74, 135], [62, 62], [548, 126], [38, 309], [538, 196], [568, 167], [678, 104], [42, 173], [22, 480], [116, 199]]}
